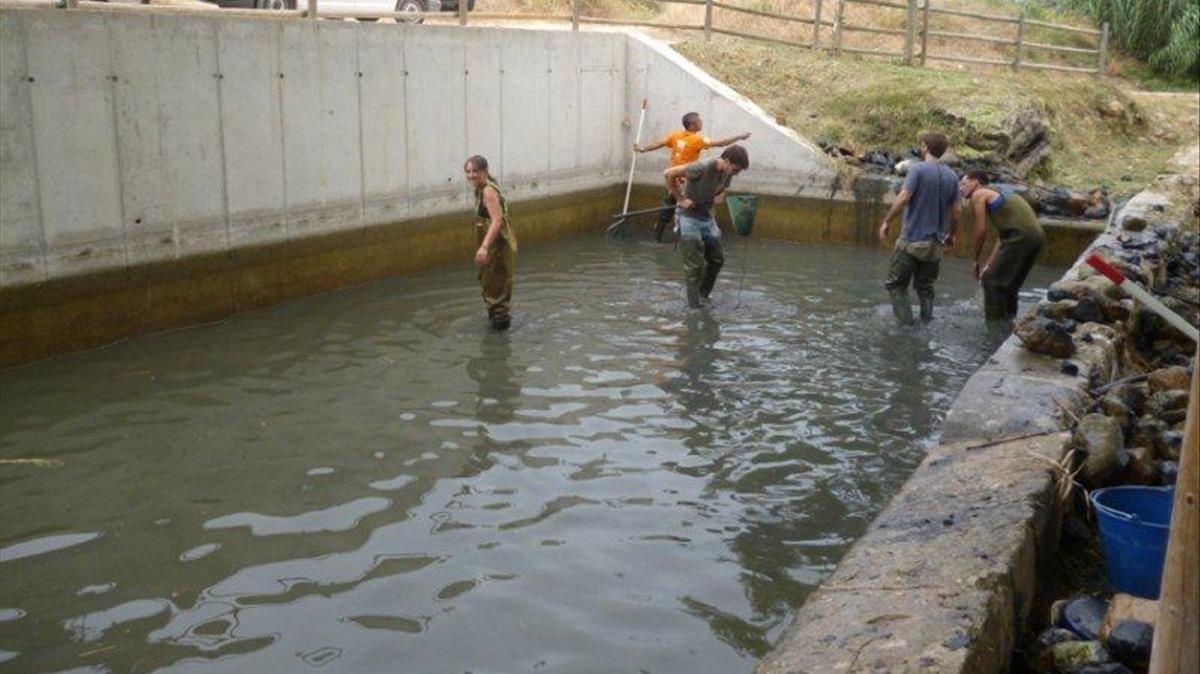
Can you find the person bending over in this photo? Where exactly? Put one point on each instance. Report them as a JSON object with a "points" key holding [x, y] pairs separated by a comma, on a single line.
{"points": [[1019, 238], [696, 187], [930, 202], [686, 145], [496, 255]]}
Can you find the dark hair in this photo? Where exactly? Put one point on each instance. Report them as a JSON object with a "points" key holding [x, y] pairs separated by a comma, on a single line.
{"points": [[689, 118], [736, 155], [980, 177], [478, 161], [936, 143]]}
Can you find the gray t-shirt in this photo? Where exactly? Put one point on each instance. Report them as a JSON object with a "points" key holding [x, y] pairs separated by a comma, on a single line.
{"points": [[704, 182], [934, 189]]}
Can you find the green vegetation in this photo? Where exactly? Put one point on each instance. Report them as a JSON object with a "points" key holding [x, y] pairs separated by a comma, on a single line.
{"points": [[1164, 33], [1099, 135]]}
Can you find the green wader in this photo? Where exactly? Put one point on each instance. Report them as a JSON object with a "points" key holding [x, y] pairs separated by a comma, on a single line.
{"points": [[919, 262], [496, 274], [702, 261], [1021, 239]]}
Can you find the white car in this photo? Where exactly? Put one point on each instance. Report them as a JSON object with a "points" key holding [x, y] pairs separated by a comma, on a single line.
{"points": [[349, 7]]}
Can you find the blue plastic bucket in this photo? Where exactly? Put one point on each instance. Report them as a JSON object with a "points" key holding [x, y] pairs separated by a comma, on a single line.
{"points": [[1134, 523]]}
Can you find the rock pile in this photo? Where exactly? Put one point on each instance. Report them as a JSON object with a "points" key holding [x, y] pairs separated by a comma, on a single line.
{"points": [[1089, 635]]}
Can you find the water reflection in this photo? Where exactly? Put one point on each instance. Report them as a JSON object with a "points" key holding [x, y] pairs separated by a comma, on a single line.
{"points": [[371, 480]]}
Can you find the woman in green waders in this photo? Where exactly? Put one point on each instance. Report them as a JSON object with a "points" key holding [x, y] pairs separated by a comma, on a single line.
{"points": [[1019, 237], [496, 256]]}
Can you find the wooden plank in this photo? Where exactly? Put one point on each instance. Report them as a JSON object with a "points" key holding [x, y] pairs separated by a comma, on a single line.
{"points": [[872, 52], [910, 31], [686, 2], [763, 38], [972, 15], [1059, 26], [839, 18], [1054, 47], [964, 59], [708, 9], [1065, 69], [970, 36], [575, 15], [1176, 646], [756, 12], [880, 3], [924, 31], [500, 16], [647, 24], [816, 38], [312, 9], [1020, 41], [1102, 68], [878, 31]]}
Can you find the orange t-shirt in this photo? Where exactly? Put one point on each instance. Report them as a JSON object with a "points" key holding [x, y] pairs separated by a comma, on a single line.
{"points": [[685, 146]]}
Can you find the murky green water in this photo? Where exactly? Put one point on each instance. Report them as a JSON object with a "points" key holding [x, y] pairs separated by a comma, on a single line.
{"points": [[371, 481]]}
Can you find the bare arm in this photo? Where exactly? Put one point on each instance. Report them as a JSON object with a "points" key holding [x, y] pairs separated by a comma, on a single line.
{"points": [[648, 148], [491, 201], [955, 209], [979, 210], [728, 141], [898, 205], [674, 178]]}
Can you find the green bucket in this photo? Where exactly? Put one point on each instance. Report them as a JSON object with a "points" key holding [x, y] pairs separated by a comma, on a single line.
{"points": [[741, 211]]}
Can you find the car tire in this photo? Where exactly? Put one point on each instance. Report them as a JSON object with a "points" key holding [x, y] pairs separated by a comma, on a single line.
{"points": [[275, 5], [413, 7]]}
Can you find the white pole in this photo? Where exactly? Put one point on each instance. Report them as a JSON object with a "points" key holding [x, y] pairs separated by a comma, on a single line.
{"points": [[1099, 264], [633, 161]]}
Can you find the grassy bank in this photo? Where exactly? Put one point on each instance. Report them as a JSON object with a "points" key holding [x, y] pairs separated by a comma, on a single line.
{"points": [[1100, 135]]}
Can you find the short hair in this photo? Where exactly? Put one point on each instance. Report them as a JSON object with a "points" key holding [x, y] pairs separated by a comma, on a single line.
{"points": [[478, 161], [936, 143], [736, 154], [981, 177], [689, 118]]}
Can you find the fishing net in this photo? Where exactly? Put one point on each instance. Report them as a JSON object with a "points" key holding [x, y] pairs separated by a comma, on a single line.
{"points": [[741, 211]]}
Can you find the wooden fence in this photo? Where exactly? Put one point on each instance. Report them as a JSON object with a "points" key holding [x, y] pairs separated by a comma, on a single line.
{"points": [[918, 38]]}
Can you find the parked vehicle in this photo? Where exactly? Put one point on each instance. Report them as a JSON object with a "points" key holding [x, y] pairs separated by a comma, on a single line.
{"points": [[414, 7]]}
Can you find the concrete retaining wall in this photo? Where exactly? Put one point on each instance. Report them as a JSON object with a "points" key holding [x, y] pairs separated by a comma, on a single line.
{"points": [[133, 138]]}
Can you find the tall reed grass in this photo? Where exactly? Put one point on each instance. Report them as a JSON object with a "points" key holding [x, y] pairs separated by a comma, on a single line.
{"points": [[1164, 33]]}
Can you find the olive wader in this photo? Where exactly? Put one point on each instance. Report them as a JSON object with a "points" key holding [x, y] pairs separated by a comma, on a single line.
{"points": [[919, 262], [700, 246], [496, 274], [1021, 239]]}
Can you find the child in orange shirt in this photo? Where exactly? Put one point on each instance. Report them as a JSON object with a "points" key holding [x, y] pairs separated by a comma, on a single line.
{"points": [[686, 146]]}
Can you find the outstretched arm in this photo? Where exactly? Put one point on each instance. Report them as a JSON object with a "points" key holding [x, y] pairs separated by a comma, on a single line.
{"points": [[649, 148], [491, 201], [728, 141], [898, 205]]}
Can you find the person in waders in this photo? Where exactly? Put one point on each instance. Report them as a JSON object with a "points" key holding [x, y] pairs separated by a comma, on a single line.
{"points": [[685, 145], [929, 199], [696, 187], [496, 255], [1019, 238]]}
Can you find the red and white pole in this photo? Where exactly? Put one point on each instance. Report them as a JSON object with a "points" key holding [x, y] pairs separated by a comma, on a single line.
{"points": [[1137, 292]]}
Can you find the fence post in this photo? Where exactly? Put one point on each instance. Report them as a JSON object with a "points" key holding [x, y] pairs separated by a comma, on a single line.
{"points": [[924, 31], [910, 31], [1020, 40], [574, 14], [816, 41], [462, 12], [312, 9], [837, 27], [1103, 68], [708, 20]]}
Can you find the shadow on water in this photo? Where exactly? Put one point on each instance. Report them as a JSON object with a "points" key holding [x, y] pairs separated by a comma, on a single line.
{"points": [[371, 479]]}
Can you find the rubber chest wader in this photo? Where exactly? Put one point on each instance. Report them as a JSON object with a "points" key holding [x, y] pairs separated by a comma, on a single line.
{"points": [[496, 274], [1020, 240], [917, 262]]}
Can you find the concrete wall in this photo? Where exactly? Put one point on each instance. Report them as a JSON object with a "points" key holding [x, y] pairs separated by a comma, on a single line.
{"points": [[133, 138]]}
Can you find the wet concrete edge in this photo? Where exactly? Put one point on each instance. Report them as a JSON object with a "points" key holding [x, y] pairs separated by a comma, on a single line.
{"points": [[944, 578]]}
